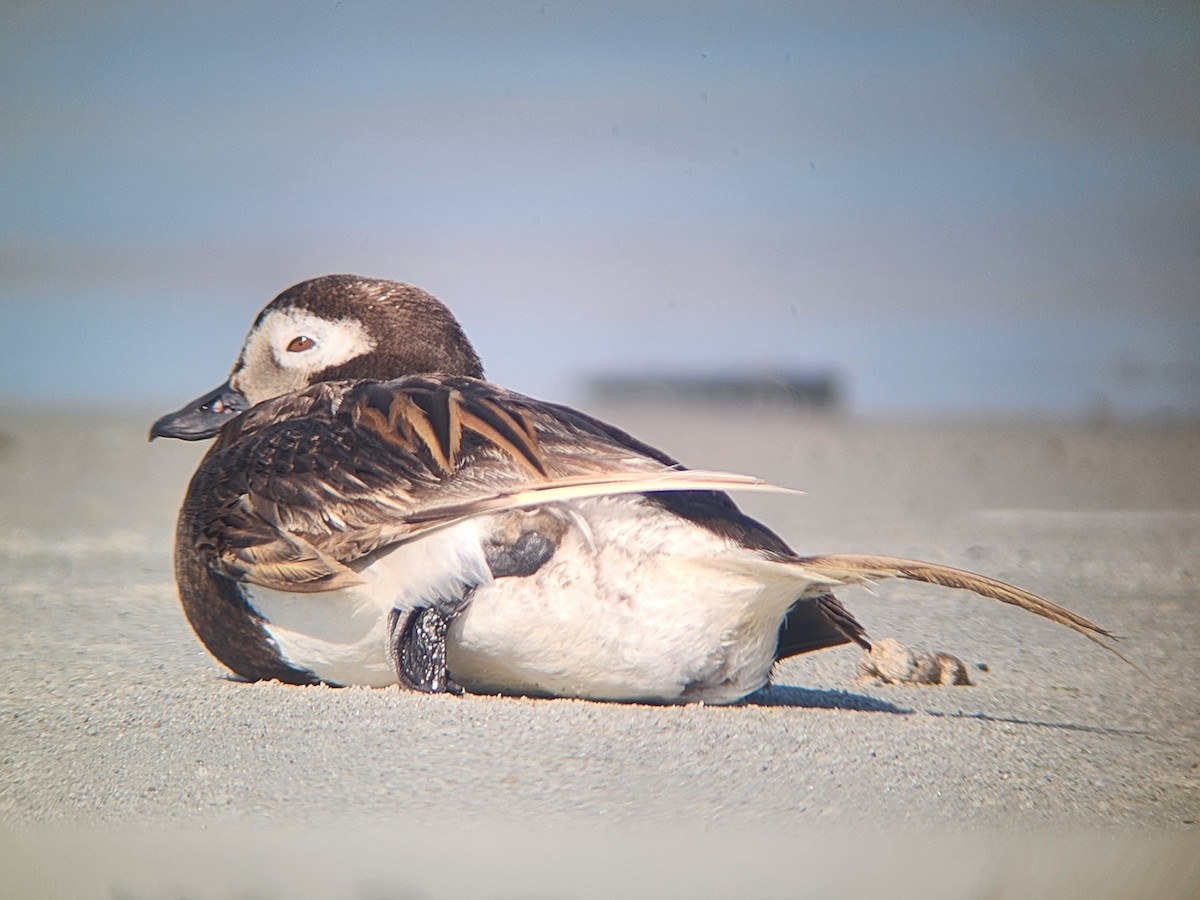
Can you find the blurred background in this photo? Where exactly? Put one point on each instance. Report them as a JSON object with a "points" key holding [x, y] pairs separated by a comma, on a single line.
{"points": [[936, 209]]}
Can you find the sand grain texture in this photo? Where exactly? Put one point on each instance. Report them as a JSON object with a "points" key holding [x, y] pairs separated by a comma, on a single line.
{"points": [[119, 731]]}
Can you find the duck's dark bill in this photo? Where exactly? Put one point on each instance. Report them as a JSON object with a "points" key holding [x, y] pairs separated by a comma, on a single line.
{"points": [[203, 417]]}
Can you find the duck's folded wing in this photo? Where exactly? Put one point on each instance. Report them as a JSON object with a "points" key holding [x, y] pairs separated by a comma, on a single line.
{"points": [[305, 487]]}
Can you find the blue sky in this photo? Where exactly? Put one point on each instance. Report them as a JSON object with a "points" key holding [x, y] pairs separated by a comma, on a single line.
{"points": [[985, 208]]}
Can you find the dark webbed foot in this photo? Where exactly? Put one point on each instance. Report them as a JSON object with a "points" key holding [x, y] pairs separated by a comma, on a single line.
{"points": [[417, 650], [416, 641]]}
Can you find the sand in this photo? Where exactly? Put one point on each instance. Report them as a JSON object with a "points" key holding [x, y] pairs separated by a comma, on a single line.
{"points": [[132, 766]]}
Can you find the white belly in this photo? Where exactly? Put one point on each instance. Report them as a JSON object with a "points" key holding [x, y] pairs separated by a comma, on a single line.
{"points": [[652, 608], [337, 635], [636, 604]]}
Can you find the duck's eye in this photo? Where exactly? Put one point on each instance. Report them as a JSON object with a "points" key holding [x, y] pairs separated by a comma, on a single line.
{"points": [[300, 344]]}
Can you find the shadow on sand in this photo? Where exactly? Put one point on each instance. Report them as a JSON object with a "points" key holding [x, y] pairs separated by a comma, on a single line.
{"points": [[1012, 720], [812, 698]]}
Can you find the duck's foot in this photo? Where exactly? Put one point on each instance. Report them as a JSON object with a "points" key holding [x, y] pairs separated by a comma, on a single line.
{"points": [[417, 650], [891, 662]]}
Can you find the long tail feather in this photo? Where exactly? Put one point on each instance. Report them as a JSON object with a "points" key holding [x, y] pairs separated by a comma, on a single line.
{"points": [[850, 568]]}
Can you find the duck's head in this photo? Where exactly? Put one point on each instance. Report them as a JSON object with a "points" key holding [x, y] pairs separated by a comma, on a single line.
{"points": [[336, 326]]}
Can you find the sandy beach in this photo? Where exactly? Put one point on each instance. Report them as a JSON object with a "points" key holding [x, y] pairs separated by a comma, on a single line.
{"points": [[132, 766]]}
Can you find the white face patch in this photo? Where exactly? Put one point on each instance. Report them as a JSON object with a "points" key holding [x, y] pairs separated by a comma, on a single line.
{"points": [[268, 368]]}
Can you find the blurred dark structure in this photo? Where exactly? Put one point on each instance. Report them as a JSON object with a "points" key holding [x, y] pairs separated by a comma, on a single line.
{"points": [[809, 390]]}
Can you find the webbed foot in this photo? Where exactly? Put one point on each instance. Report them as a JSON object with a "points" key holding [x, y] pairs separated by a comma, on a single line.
{"points": [[416, 649]]}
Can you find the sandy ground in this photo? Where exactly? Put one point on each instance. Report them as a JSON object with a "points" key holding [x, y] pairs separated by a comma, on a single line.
{"points": [[131, 766]]}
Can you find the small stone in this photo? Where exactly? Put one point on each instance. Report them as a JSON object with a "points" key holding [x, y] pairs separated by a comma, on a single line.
{"points": [[940, 668], [891, 662], [888, 661]]}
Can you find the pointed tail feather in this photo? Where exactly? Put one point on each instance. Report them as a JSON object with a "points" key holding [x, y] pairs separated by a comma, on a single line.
{"points": [[850, 568]]}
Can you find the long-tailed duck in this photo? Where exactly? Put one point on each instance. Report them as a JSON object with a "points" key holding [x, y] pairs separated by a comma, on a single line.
{"points": [[374, 512]]}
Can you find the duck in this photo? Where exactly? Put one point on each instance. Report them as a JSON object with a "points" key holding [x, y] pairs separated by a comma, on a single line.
{"points": [[374, 512]]}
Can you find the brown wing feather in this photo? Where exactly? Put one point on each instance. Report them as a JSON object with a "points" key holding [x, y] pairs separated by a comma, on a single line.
{"points": [[311, 482]]}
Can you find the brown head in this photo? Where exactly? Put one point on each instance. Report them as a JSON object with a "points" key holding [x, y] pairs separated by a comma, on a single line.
{"points": [[325, 329]]}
